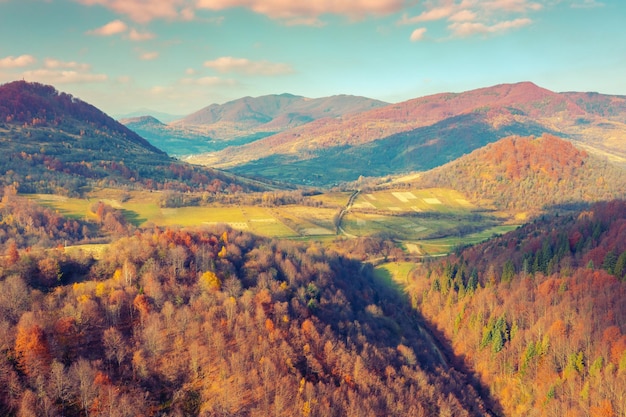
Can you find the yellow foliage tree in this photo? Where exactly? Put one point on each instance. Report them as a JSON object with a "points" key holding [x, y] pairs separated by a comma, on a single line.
{"points": [[210, 282]]}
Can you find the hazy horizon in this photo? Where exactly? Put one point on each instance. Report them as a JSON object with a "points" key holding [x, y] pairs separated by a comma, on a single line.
{"points": [[177, 56]]}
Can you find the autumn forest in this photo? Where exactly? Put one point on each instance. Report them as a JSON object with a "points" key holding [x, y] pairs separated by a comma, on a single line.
{"points": [[492, 284]]}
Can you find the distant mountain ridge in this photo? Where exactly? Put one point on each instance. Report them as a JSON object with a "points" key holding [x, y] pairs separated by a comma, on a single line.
{"points": [[471, 119], [278, 110], [245, 120], [161, 116], [142, 122]]}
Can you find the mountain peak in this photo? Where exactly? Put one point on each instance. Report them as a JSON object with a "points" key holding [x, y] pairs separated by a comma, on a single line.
{"points": [[141, 120]]}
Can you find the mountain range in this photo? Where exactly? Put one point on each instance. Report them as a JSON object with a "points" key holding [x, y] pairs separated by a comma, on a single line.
{"points": [[244, 120], [426, 132], [211, 320]]}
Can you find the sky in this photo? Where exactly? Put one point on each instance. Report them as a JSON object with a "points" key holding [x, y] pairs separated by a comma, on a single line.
{"points": [[178, 56]]}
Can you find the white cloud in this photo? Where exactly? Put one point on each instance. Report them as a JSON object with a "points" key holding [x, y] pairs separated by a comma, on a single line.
{"points": [[207, 81], [187, 13], [190, 71], [117, 27], [227, 64], [48, 76], [112, 28], [17, 62], [287, 9], [463, 16], [587, 4], [137, 36], [470, 17], [418, 34], [143, 11], [437, 13], [471, 28], [517, 6], [293, 12], [157, 89], [149, 56], [56, 64], [53, 71]]}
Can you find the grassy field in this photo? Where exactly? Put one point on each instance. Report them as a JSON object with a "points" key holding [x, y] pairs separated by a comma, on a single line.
{"points": [[338, 199], [417, 218], [428, 200], [435, 247], [95, 250], [142, 208], [394, 274]]}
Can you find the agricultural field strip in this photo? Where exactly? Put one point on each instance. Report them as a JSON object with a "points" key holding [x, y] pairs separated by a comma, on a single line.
{"points": [[257, 219], [293, 221], [404, 197], [432, 201]]}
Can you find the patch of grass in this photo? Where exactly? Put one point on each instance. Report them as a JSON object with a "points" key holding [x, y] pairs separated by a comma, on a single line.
{"points": [[73, 208], [396, 273], [446, 245], [338, 199], [95, 249]]}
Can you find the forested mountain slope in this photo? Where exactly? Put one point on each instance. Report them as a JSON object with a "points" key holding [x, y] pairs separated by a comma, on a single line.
{"points": [[539, 313], [529, 174], [422, 133], [55, 143], [174, 322]]}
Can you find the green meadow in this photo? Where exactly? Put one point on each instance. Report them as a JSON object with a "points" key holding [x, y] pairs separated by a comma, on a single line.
{"points": [[395, 274], [428, 222]]}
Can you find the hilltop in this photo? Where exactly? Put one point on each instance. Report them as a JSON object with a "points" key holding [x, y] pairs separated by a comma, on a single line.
{"points": [[422, 133], [529, 173], [55, 143]]}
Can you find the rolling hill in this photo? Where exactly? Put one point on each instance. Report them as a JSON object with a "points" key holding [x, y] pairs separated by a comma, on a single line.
{"points": [[529, 174], [55, 143], [163, 117], [416, 131]]}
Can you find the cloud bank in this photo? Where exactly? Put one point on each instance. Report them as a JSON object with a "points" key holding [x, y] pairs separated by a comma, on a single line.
{"points": [[470, 17], [229, 64], [294, 12]]}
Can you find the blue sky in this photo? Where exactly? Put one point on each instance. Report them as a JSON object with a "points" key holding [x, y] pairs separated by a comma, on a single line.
{"points": [[178, 56]]}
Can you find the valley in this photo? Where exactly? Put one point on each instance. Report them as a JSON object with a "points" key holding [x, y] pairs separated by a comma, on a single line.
{"points": [[457, 254], [424, 133], [422, 222]]}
